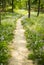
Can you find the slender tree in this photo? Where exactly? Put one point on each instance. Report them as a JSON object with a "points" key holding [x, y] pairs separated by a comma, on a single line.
{"points": [[12, 5], [3, 5], [0, 11], [0, 18], [38, 7], [29, 8]]}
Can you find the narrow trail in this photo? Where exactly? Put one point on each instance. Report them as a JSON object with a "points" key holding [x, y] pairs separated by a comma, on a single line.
{"points": [[19, 52]]}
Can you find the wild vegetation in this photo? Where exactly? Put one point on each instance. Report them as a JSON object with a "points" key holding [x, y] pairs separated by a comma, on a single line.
{"points": [[35, 38], [6, 35], [10, 11]]}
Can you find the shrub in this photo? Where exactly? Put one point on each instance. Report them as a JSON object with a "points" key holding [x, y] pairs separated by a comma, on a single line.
{"points": [[4, 53], [35, 38]]}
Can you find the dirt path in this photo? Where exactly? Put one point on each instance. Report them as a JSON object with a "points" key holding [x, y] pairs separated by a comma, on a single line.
{"points": [[19, 52]]}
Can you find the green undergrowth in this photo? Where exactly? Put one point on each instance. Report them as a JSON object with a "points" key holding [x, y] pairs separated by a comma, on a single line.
{"points": [[6, 36], [34, 32], [6, 15]]}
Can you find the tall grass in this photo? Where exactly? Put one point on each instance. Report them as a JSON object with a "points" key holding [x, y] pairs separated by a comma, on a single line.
{"points": [[34, 32], [7, 27]]}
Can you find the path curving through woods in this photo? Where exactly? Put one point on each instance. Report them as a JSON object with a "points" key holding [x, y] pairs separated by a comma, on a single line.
{"points": [[19, 52]]}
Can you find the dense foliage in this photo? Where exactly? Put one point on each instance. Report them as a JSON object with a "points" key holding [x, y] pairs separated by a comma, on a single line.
{"points": [[7, 27], [22, 4], [35, 38], [34, 27]]}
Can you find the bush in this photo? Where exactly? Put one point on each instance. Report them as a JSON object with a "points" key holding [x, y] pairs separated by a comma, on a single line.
{"points": [[35, 38], [4, 53], [6, 35]]}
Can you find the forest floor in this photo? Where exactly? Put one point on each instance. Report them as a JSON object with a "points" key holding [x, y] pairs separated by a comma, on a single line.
{"points": [[19, 52]]}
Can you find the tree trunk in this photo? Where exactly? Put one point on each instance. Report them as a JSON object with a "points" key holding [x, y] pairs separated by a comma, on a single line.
{"points": [[26, 4], [29, 8], [0, 18], [0, 11], [12, 5], [38, 8], [3, 5]]}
